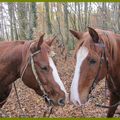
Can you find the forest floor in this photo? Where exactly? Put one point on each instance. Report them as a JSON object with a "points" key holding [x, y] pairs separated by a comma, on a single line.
{"points": [[34, 106]]}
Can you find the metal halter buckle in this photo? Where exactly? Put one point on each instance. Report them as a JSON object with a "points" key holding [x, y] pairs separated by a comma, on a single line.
{"points": [[47, 99]]}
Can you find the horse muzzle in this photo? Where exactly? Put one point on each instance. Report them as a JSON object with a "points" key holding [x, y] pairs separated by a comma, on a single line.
{"points": [[60, 102]]}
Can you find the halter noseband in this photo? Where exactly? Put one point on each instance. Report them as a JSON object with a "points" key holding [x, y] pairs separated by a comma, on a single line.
{"points": [[31, 61]]}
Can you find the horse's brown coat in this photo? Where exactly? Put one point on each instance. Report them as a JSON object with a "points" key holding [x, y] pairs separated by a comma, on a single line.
{"points": [[91, 40], [13, 58]]}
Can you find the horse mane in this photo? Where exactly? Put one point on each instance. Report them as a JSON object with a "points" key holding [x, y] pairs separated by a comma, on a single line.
{"points": [[108, 38]]}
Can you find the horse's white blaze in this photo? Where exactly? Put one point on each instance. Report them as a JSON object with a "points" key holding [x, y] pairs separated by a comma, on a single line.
{"points": [[81, 55], [56, 75]]}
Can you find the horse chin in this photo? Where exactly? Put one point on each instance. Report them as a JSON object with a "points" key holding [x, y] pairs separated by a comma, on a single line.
{"points": [[84, 100]]}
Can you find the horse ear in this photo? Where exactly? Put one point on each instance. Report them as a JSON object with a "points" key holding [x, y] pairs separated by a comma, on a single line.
{"points": [[40, 41], [94, 35], [50, 41], [76, 33]]}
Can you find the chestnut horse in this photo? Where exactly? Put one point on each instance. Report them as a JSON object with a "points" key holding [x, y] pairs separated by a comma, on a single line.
{"points": [[97, 56], [30, 60]]}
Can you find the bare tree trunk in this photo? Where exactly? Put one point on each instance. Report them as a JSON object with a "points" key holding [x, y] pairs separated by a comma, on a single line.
{"points": [[14, 22], [68, 42], [80, 26], [104, 8], [89, 13], [86, 17], [74, 17], [6, 31], [58, 13], [1, 23], [22, 20], [10, 11], [118, 17], [66, 26], [48, 22], [32, 20]]}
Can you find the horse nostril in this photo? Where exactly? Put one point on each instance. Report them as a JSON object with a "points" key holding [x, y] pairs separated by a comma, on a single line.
{"points": [[61, 102]]}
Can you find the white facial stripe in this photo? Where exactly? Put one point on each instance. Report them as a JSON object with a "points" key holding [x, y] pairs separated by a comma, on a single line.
{"points": [[81, 55], [56, 76]]}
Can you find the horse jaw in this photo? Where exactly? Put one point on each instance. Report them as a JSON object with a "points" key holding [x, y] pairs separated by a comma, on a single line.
{"points": [[81, 55]]}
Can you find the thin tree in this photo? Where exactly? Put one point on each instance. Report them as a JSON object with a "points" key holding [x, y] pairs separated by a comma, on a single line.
{"points": [[22, 20], [14, 22], [10, 11], [104, 8], [47, 18], [32, 20], [66, 25], [86, 14]]}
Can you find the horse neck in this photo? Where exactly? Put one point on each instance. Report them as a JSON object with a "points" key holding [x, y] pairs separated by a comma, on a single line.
{"points": [[18, 61], [114, 48], [117, 37], [12, 59], [25, 56]]}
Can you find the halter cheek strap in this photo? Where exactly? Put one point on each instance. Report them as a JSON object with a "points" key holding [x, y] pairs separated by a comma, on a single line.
{"points": [[96, 77], [110, 78], [103, 55], [35, 72], [31, 60], [45, 96]]}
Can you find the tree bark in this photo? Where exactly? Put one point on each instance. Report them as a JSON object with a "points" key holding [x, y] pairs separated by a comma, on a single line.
{"points": [[48, 22], [32, 20], [10, 11], [118, 17], [22, 20], [14, 22], [86, 14], [104, 8]]}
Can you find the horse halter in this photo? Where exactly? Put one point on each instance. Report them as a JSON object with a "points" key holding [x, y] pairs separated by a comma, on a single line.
{"points": [[32, 63], [102, 56]]}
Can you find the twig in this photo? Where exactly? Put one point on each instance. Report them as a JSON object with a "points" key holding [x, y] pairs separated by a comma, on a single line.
{"points": [[4, 113], [18, 100], [49, 111]]}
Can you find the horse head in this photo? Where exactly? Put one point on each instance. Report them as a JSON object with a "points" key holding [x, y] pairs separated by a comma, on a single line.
{"points": [[39, 72], [91, 58]]}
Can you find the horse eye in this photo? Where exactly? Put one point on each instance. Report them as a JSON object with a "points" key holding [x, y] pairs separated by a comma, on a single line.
{"points": [[44, 68], [92, 61]]}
